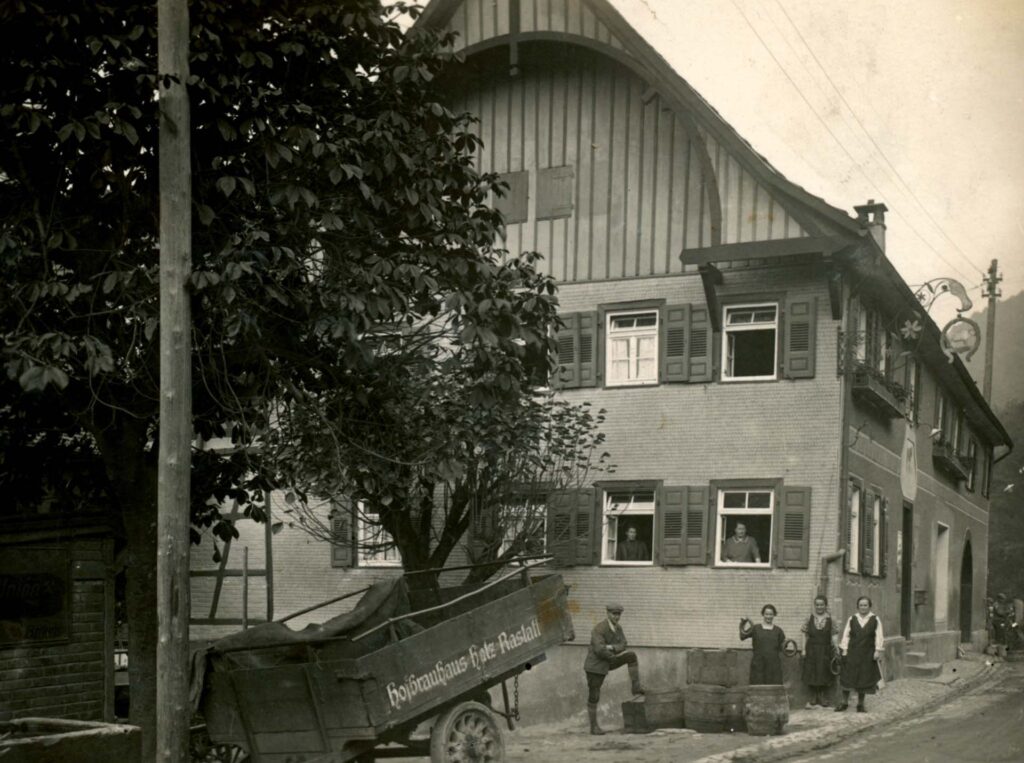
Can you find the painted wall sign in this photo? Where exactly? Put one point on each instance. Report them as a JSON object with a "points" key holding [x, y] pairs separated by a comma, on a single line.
{"points": [[476, 657], [908, 463], [35, 586]]}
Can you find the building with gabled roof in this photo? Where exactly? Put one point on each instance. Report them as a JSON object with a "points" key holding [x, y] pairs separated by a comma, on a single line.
{"points": [[760, 360]]}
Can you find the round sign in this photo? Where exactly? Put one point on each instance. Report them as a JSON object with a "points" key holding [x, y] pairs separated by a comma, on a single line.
{"points": [[962, 336]]}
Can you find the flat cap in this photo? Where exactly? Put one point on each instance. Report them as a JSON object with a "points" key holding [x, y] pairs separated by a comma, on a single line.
{"points": [[613, 607]]}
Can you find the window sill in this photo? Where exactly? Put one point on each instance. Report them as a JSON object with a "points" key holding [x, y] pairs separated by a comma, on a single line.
{"points": [[631, 385], [741, 566], [741, 379], [361, 565], [626, 564]]}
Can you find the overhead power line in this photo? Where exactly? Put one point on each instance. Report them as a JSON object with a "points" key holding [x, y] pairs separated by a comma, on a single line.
{"points": [[842, 145]]}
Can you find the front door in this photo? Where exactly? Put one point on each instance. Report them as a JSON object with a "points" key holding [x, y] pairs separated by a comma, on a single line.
{"points": [[966, 593]]}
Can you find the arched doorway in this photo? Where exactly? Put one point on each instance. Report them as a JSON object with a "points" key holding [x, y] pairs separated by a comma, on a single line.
{"points": [[966, 593]]}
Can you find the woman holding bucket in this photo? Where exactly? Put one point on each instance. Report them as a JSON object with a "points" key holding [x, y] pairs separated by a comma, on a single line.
{"points": [[766, 664], [820, 634], [861, 648]]}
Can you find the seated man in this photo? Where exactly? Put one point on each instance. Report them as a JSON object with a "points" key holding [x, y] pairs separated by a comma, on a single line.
{"points": [[741, 547]]}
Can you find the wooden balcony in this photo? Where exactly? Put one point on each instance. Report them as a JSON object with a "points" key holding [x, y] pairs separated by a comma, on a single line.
{"points": [[871, 388], [945, 457]]}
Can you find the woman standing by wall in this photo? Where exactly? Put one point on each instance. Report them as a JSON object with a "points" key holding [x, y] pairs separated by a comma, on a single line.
{"points": [[861, 647], [766, 664], [820, 635]]}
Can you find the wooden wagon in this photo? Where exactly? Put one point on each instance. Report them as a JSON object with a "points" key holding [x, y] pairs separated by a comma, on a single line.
{"points": [[362, 696]]}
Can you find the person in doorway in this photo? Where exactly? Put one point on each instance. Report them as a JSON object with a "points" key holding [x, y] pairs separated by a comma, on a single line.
{"points": [[607, 652], [1002, 616], [632, 549], [741, 547], [861, 648], [766, 664], [821, 634]]}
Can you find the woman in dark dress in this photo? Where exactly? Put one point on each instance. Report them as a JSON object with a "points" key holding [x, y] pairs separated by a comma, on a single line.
{"points": [[766, 664], [861, 647], [820, 633]]}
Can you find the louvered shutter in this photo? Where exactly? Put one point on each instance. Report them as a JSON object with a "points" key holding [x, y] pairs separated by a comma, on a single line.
{"points": [[848, 525], [883, 549], [589, 349], [671, 525], [675, 326], [793, 520], [798, 348], [695, 548], [578, 351], [587, 527], [867, 533], [341, 535], [481, 532], [700, 355], [561, 510]]}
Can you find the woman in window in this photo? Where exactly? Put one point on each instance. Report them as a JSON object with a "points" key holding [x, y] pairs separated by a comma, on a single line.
{"points": [[820, 634], [861, 647], [766, 664]]}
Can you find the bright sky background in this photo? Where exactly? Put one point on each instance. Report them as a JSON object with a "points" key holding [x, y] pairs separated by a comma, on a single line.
{"points": [[917, 103]]}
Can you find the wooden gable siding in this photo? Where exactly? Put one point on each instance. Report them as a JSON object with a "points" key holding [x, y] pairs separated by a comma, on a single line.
{"points": [[479, 20], [638, 200], [749, 211]]}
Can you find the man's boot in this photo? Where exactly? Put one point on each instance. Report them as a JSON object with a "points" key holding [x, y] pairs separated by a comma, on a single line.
{"points": [[592, 714], [634, 677]]}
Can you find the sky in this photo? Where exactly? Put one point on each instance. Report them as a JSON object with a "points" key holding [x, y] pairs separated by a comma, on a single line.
{"points": [[915, 103]]}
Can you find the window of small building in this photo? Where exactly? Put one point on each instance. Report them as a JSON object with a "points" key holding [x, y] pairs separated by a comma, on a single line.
{"points": [[750, 342], [972, 464], [524, 525], [632, 352], [628, 527], [744, 527]]}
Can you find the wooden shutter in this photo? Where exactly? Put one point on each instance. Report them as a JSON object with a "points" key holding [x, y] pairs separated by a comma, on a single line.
{"points": [[793, 523], [675, 327], [867, 534], [514, 204], [481, 533], [883, 534], [587, 528], [798, 348], [554, 192], [578, 351], [700, 348], [695, 548], [671, 524], [560, 527], [851, 488], [342, 535], [572, 528]]}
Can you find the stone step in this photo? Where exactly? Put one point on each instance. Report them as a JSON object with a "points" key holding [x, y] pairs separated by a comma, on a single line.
{"points": [[915, 658], [924, 670]]}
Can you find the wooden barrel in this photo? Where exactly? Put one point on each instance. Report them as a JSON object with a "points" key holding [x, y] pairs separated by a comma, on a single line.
{"points": [[705, 710], [664, 709], [767, 709], [733, 702]]}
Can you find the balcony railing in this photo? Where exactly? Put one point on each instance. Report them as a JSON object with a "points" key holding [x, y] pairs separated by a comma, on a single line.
{"points": [[884, 395], [946, 458]]}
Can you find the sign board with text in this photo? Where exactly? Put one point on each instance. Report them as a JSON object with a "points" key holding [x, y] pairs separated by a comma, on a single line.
{"points": [[35, 596]]}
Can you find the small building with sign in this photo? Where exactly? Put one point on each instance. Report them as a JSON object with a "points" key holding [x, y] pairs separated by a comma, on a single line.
{"points": [[784, 416]]}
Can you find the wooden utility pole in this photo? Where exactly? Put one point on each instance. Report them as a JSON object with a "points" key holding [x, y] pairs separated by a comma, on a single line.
{"points": [[172, 704], [990, 289]]}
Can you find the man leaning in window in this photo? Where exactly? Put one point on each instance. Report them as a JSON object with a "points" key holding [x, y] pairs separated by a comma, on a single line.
{"points": [[741, 548]]}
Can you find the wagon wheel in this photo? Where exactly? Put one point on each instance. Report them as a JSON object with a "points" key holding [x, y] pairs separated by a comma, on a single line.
{"points": [[466, 733], [203, 750]]}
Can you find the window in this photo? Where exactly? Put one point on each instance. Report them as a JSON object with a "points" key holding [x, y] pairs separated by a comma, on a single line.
{"points": [[750, 342], [986, 471], [744, 527], [873, 535], [853, 545], [628, 527], [912, 382], [972, 463], [632, 348], [374, 546], [524, 522]]}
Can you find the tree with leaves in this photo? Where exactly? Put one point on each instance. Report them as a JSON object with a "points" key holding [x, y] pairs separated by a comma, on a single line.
{"points": [[339, 229]]}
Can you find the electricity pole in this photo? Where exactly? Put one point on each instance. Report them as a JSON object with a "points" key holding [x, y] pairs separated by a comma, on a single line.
{"points": [[990, 289], [175, 456]]}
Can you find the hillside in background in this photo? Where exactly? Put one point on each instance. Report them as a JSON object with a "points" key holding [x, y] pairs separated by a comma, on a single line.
{"points": [[1007, 384], [1006, 520]]}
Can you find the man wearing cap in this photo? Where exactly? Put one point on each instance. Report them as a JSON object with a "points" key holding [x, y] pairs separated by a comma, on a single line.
{"points": [[607, 652]]}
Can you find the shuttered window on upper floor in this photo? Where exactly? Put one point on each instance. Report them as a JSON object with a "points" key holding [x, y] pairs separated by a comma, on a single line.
{"points": [[650, 343], [514, 203]]}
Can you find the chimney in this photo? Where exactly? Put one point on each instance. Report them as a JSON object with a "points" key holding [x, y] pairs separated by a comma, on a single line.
{"points": [[872, 217]]}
